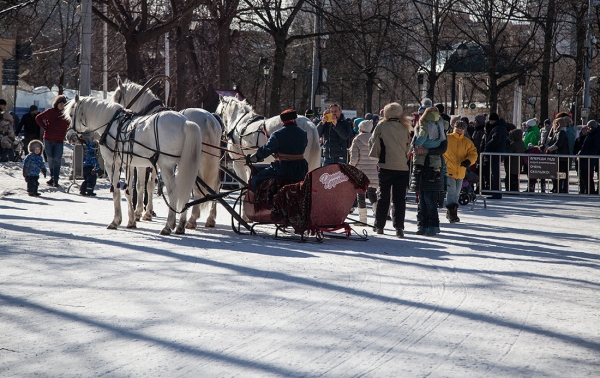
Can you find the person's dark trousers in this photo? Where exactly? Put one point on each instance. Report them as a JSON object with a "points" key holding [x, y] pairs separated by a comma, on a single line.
{"points": [[371, 194], [8, 154], [333, 160], [586, 176], [427, 213], [563, 166], [511, 182], [54, 152], [495, 170], [32, 184], [89, 181], [396, 183]]}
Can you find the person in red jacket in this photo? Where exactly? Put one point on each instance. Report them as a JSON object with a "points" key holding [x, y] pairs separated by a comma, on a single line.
{"points": [[55, 127]]}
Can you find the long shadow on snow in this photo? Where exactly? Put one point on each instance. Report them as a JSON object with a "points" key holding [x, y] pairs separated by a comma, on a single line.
{"points": [[263, 274], [133, 335]]}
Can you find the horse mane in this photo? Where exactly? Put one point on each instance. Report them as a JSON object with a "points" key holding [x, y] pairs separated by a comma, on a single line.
{"points": [[131, 89], [237, 108], [242, 104], [92, 106]]}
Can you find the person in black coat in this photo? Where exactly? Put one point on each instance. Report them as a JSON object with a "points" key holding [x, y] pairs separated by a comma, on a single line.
{"points": [[31, 129], [559, 144], [335, 132], [430, 192], [591, 146], [288, 145], [495, 141]]}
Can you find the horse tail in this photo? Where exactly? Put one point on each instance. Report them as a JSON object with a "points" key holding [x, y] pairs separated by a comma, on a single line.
{"points": [[209, 169], [189, 164]]}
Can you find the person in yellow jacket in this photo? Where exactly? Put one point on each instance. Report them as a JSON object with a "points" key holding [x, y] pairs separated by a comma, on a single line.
{"points": [[459, 156]]}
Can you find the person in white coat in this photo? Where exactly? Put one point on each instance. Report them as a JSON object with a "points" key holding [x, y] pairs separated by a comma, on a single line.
{"points": [[359, 158]]}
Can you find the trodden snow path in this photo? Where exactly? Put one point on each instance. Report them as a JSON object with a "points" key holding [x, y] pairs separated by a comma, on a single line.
{"points": [[511, 291]]}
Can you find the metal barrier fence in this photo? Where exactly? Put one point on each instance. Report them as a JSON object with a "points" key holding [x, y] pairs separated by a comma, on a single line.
{"points": [[539, 174]]}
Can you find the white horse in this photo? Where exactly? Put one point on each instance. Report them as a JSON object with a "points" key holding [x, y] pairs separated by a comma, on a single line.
{"points": [[167, 137], [211, 135], [245, 133]]}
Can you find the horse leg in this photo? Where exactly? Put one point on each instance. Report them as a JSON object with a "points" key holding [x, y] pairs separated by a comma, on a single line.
{"points": [[129, 196], [192, 221], [139, 188], [242, 172], [116, 198], [169, 179], [150, 187], [211, 221]]}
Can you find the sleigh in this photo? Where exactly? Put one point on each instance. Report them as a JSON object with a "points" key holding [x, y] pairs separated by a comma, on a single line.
{"points": [[317, 206]]}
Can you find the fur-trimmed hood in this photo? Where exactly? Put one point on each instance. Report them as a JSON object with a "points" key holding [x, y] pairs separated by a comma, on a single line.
{"points": [[431, 114], [35, 143]]}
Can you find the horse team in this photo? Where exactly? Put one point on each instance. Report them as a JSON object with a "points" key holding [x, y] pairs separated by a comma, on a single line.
{"points": [[182, 145]]}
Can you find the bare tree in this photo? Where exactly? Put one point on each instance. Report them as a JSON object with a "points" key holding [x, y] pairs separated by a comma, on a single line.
{"points": [[141, 21]]}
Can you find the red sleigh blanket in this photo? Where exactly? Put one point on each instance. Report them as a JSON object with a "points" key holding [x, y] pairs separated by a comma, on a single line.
{"points": [[324, 198]]}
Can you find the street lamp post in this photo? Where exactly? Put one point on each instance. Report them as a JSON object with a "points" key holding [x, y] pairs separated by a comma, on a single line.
{"points": [[266, 73], [559, 88], [294, 77]]}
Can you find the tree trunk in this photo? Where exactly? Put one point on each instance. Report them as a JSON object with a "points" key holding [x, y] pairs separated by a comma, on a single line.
{"points": [[181, 63], [580, 56], [369, 84], [277, 75], [224, 55], [546, 58], [135, 71]]}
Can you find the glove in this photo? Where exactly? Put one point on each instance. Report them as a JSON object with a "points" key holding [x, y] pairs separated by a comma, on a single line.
{"points": [[548, 152], [93, 171], [465, 163], [251, 159], [44, 171]]}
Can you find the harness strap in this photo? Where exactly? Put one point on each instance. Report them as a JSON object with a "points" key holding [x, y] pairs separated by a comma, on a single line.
{"points": [[289, 157]]}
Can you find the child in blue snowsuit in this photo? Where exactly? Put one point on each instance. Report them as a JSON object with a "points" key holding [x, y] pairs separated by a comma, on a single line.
{"points": [[90, 167], [32, 166]]}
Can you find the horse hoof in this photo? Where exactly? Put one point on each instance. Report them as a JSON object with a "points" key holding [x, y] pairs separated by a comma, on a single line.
{"points": [[165, 231], [210, 223], [147, 217], [131, 226], [180, 230], [137, 218], [112, 226], [190, 225]]}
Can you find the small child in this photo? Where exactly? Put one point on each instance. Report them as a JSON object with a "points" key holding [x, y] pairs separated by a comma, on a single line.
{"points": [[32, 165], [90, 166], [430, 133]]}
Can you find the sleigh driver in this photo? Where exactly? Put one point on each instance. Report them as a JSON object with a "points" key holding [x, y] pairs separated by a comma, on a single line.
{"points": [[288, 145]]}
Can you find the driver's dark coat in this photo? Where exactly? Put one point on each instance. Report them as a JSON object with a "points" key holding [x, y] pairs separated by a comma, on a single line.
{"points": [[292, 140]]}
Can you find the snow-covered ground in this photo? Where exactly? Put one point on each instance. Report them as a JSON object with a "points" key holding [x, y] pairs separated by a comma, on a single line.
{"points": [[511, 291]]}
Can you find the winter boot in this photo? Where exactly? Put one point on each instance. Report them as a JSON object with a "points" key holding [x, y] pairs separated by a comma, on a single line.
{"points": [[452, 213], [362, 215]]}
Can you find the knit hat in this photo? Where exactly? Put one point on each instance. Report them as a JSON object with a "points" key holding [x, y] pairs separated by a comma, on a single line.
{"points": [[592, 124], [368, 116], [309, 113], [461, 125], [494, 117], [366, 126], [392, 110], [33, 108], [2, 101], [426, 103], [532, 122], [586, 128], [288, 116], [440, 107], [480, 119], [547, 122]]}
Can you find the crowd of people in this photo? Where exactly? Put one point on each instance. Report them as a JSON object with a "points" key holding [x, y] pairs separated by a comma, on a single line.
{"points": [[43, 140], [427, 151], [437, 156]]}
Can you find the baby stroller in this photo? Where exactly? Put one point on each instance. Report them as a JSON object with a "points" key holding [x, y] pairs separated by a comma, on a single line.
{"points": [[467, 192]]}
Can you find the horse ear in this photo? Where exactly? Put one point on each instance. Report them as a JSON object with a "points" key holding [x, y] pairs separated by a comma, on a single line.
{"points": [[119, 82], [220, 98]]}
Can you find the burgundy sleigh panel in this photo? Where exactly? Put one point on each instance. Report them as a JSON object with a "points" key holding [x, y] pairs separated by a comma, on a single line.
{"points": [[333, 195], [263, 215]]}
